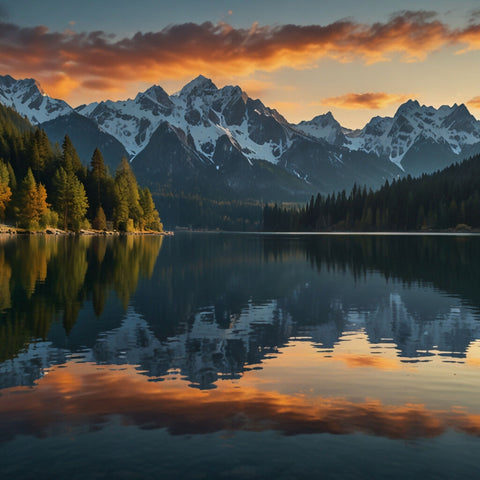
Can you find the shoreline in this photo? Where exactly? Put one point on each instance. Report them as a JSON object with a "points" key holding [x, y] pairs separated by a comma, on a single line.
{"points": [[448, 231], [13, 231]]}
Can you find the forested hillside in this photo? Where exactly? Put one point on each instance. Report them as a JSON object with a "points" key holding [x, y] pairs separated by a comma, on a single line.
{"points": [[443, 200], [43, 186]]}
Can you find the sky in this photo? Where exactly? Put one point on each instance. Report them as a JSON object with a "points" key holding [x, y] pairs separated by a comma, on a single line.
{"points": [[355, 58]]}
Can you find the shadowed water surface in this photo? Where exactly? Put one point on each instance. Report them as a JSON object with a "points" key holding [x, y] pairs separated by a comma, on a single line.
{"points": [[240, 356]]}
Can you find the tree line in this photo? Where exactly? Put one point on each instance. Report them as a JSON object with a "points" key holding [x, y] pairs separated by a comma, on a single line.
{"points": [[48, 186], [443, 200], [195, 211]]}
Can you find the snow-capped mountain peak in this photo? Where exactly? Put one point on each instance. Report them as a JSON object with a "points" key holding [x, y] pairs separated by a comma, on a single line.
{"points": [[156, 94], [407, 108], [217, 129], [203, 113], [197, 87], [29, 99], [324, 126]]}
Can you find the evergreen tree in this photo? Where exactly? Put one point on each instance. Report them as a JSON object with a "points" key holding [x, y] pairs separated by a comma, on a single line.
{"points": [[57, 173], [28, 213], [12, 181], [79, 205], [127, 198], [70, 160], [63, 195], [100, 220], [97, 177], [5, 190], [71, 199], [150, 218]]}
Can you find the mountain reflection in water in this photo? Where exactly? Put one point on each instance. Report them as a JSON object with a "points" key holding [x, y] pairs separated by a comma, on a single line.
{"points": [[208, 333]]}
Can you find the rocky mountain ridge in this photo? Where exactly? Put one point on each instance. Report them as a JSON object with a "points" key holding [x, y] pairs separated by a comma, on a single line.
{"points": [[393, 137], [219, 141]]}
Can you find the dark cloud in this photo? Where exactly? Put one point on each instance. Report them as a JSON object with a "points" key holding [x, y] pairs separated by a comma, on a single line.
{"points": [[474, 15], [98, 58]]}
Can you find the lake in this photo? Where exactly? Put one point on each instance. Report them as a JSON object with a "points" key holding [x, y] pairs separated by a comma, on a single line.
{"points": [[230, 356]]}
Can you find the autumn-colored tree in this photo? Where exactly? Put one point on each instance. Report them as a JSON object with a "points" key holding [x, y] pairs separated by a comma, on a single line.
{"points": [[46, 216], [41, 205], [57, 172], [33, 208]]}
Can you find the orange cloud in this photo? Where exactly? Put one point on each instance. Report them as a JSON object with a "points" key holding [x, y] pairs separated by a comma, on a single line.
{"points": [[220, 50], [62, 84], [81, 394], [474, 102], [364, 100]]}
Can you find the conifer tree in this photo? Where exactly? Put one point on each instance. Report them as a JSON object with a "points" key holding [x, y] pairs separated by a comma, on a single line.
{"points": [[5, 190], [71, 199], [79, 205], [96, 181], [97, 165], [40, 156], [150, 218], [70, 159], [100, 220], [12, 180], [62, 201], [127, 198], [45, 215], [28, 213]]}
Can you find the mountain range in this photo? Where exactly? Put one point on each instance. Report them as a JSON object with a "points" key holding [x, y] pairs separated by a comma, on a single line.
{"points": [[221, 143]]}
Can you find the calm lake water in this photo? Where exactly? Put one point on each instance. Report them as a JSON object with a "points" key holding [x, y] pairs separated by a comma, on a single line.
{"points": [[223, 356]]}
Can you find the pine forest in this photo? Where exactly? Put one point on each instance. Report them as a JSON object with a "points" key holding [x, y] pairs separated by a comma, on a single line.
{"points": [[445, 200], [48, 186]]}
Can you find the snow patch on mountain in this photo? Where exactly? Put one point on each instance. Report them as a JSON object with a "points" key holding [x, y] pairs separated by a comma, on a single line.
{"points": [[201, 110], [28, 99], [131, 121], [393, 137], [413, 122], [324, 127], [202, 114]]}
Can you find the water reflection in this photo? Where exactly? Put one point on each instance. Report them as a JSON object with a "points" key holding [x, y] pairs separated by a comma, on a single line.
{"points": [[244, 340], [84, 395], [210, 306], [44, 279]]}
